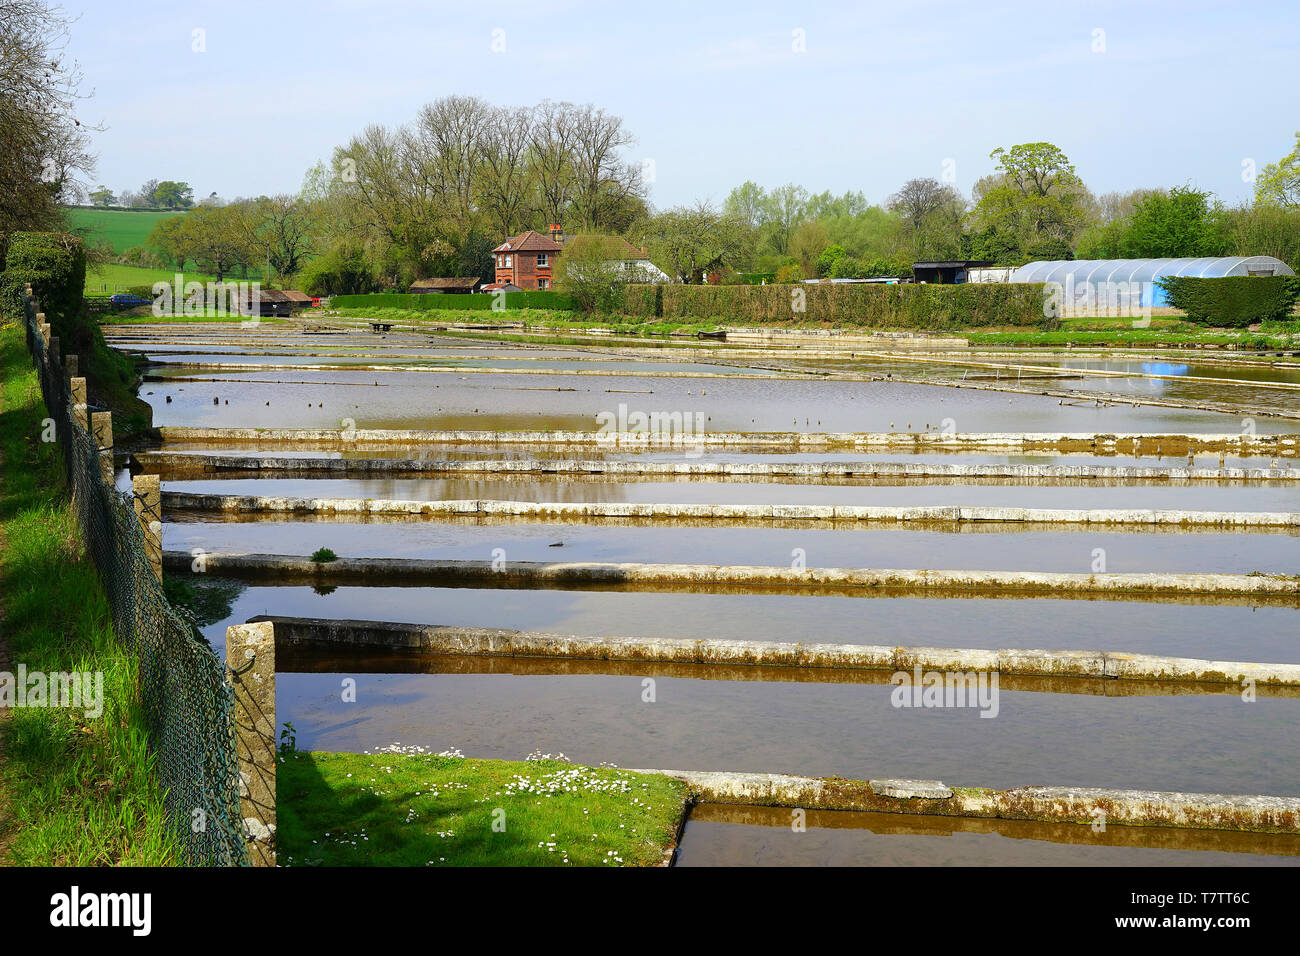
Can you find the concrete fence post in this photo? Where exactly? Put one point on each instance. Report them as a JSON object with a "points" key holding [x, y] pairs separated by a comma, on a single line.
{"points": [[71, 367], [101, 426], [250, 661], [55, 355], [147, 495], [77, 388]]}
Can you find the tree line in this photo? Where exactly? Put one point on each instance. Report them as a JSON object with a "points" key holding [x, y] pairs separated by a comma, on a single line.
{"points": [[434, 196]]}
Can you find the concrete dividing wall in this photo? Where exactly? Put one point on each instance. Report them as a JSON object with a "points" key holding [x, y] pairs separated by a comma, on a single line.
{"points": [[1083, 805], [1170, 445], [854, 582], [929, 514], [172, 464], [498, 642]]}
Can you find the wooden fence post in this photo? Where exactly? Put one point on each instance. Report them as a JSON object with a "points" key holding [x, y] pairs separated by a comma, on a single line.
{"points": [[250, 660]]}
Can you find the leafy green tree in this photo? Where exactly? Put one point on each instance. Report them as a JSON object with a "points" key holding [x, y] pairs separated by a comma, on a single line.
{"points": [[1034, 200], [173, 195], [1183, 222], [689, 241], [847, 267], [43, 146], [342, 269], [1278, 183], [783, 209], [102, 196], [828, 258]]}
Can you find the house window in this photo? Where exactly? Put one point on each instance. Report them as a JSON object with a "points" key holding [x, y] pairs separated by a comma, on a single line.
{"points": [[542, 259], [507, 262], [543, 282]]}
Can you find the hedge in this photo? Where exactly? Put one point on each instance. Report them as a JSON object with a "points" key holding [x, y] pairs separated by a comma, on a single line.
{"points": [[1232, 301], [535, 299], [903, 306], [55, 265]]}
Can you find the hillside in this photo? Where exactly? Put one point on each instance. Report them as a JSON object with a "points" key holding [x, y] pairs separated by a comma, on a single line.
{"points": [[119, 228]]}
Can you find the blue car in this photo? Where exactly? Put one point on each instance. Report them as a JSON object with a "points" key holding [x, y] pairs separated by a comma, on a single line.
{"points": [[126, 298]]}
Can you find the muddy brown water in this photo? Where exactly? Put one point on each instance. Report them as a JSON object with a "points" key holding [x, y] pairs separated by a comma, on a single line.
{"points": [[420, 400], [718, 835]]}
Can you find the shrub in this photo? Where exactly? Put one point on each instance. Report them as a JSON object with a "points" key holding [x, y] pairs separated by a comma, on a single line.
{"points": [[324, 556], [55, 265], [1232, 301], [848, 267]]}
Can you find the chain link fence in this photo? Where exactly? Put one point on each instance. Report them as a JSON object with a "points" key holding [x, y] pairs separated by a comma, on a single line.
{"points": [[188, 704]]}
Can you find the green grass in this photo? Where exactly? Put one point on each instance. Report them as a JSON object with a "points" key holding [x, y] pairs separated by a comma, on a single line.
{"points": [[107, 278], [535, 318], [1268, 338], [404, 809], [119, 228], [79, 791]]}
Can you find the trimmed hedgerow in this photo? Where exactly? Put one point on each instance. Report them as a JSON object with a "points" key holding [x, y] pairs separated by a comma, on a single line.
{"points": [[1232, 301], [904, 306]]}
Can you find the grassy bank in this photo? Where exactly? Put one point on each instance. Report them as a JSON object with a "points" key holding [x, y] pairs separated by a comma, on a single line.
{"points": [[1171, 331], [416, 809], [78, 790], [143, 315], [560, 321]]}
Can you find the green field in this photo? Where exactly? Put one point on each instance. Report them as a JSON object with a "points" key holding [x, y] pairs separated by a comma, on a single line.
{"points": [[119, 228], [111, 277]]}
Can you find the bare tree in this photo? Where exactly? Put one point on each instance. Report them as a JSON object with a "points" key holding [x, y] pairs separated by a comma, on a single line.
{"points": [[552, 143], [43, 146], [918, 199], [506, 181]]}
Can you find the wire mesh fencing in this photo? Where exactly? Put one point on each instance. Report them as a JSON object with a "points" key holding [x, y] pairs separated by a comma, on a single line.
{"points": [[188, 704]]}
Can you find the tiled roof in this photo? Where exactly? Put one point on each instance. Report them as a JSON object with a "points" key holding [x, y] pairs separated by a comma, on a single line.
{"points": [[529, 241]]}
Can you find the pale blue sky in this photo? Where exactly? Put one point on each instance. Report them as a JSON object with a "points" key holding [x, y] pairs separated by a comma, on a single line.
{"points": [[1183, 92]]}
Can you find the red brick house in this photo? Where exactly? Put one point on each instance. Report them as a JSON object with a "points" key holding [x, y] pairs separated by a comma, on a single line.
{"points": [[528, 259]]}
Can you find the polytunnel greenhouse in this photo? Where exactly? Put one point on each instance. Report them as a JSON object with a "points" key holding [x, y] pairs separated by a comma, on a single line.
{"points": [[1099, 272]]}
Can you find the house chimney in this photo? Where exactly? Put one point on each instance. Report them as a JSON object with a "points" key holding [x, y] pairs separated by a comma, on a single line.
{"points": [[556, 232]]}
